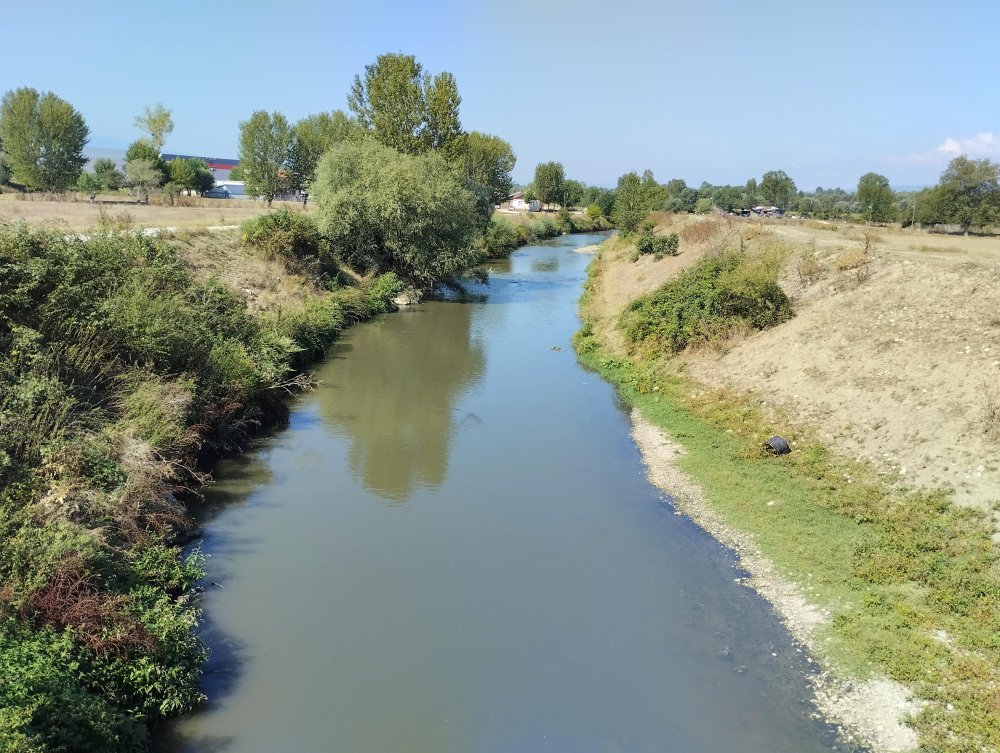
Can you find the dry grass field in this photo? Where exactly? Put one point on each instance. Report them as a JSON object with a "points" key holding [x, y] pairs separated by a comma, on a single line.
{"points": [[78, 214]]}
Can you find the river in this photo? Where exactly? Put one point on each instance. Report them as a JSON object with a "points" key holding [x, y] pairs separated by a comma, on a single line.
{"points": [[453, 548]]}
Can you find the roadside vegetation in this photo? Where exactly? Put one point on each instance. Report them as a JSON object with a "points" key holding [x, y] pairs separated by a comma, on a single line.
{"points": [[910, 580]]}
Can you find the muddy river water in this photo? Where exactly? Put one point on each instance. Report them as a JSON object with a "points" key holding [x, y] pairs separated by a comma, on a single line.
{"points": [[453, 548]]}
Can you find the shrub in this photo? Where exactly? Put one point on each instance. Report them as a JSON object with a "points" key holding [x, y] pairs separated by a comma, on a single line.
{"points": [[657, 245], [291, 237], [722, 292], [501, 238]]}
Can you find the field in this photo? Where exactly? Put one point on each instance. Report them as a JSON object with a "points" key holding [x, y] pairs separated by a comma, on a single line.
{"points": [[78, 214]]}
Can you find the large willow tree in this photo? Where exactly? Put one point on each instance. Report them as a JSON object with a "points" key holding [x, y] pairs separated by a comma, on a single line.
{"points": [[385, 211]]}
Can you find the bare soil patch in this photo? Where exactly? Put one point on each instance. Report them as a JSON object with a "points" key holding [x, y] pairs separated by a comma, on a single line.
{"points": [[893, 355]]}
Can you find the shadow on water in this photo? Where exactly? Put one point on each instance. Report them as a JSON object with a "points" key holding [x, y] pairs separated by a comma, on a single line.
{"points": [[395, 404]]}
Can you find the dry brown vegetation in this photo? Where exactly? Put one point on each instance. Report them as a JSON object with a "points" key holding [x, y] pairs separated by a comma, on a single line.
{"points": [[75, 212], [886, 357]]}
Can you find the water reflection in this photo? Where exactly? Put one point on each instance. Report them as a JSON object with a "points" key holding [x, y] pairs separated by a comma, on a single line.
{"points": [[393, 397]]}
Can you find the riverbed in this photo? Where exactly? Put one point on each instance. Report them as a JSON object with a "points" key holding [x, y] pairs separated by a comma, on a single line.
{"points": [[454, 547]]}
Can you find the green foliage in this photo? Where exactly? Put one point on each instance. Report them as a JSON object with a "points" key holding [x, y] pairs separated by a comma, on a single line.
{"points": [[703, 206], [311, 138], [876, 197], [384, 211], [43, 138], [108, 174], [404, 109], [144, 149], [722, 291], [190, 174], [630, 206], [777, 188], [968, 193], [116, 367], [88, 183], [594, 211], [290, 236], [155, 121], [500, 239], [265, 144], [656, 245], [550, 182], [486, 161]]}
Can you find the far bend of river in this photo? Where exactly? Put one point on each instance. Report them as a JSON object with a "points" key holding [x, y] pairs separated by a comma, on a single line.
{"points": [[454, 548]]}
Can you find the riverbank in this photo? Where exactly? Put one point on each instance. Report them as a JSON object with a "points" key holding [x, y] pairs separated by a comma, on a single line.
{"points": [[126, 362], [893, 591]]}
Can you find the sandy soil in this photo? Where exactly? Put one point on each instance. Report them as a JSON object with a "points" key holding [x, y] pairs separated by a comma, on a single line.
{"points": [[895, 362]]}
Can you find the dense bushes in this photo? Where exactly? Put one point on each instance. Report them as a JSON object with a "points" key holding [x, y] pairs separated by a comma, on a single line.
{"points": [[724, 291], [291, 237], [656, 245], [118, 370]]}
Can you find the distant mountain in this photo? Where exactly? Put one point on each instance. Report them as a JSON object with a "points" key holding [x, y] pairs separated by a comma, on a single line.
{"points": [[908, 189]]}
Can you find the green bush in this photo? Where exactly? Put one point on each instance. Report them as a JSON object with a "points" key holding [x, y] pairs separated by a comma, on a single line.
{"points": [[721, 291], [501, 238], [291, 237], [657, 245]]}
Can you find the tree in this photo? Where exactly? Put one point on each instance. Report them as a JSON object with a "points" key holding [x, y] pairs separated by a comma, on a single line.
{"points": [[751, 194], [146, 151], [629, 208], [777, 188], [108, 174], [155, 121], [311, 138], [573, 190], [88, 183], [404, 108], [968, 193], [265, 140], [390, 102], [442, 101], [550, 182], [384, 211], [190, 175], [486, 161], [875, 197], [728, 198], [143, 176], [43, 138]]}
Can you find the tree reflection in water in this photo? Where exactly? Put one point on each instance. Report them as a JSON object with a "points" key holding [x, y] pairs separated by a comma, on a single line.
{"points": [[393, 397]]}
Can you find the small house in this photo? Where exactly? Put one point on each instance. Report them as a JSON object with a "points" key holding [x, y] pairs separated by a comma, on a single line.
{"points": [[518, 203]]}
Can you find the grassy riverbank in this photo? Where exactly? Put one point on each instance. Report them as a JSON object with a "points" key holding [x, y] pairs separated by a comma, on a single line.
{"points": [[909, 580], [509, 231], [124, 362]]}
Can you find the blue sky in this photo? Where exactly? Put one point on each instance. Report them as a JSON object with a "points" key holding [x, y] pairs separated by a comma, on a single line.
{"points": [[717, 90]]}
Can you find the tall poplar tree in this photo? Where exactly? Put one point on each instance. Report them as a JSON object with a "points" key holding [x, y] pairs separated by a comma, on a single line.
{"points": [[265, 144], [43, 138]]}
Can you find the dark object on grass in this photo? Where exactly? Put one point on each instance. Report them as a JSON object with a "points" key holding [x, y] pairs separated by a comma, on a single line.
{"points": [[777, 446]]}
